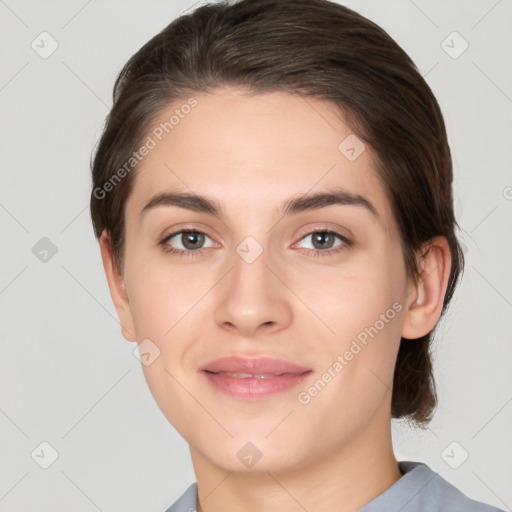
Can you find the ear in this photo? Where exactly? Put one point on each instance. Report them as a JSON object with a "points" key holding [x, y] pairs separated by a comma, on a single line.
{"points": [[426, 299], [117, 288]]}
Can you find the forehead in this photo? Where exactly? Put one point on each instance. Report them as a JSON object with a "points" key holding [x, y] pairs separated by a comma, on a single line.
{"points": [[255, 151]]}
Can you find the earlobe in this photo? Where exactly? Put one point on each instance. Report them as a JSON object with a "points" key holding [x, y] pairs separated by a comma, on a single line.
{"points": [[117, 288], [426, 300]]}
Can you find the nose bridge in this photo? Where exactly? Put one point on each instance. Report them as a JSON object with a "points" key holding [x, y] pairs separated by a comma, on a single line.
{"points": [[252, 295], [249, 280], [250, 266]]}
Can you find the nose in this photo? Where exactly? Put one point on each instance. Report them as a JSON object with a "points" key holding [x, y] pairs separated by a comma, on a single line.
{"points": [[253, 298]]}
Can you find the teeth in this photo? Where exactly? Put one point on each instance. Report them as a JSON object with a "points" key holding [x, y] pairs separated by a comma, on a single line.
{"points": [[248, 375]]}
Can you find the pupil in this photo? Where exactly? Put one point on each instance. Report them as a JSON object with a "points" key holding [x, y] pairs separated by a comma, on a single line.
{"points": [[321, 238], [191, 239]]}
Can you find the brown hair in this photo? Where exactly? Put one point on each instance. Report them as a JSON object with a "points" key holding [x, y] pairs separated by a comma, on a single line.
{"points": [[314, 48]]}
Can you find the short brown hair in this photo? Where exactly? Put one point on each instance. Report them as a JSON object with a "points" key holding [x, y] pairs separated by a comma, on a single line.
{"points": [[313, 48]]}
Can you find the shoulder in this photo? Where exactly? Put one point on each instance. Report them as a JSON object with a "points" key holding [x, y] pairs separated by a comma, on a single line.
{"points": [[187, 502], [419, 489], [434, 493]]}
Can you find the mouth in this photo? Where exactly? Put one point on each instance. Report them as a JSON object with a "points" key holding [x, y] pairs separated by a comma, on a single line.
{"points": [[255, 375], [253, 378], [253, 366]]}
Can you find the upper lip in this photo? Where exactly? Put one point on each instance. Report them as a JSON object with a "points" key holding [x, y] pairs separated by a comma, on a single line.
{"points": [[253, 366]]}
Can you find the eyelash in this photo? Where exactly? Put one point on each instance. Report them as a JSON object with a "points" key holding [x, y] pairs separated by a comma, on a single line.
{"points": [[310, 252]]}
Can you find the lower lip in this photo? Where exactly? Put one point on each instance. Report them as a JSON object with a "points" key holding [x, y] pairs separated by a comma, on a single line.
{"points": [[254, 387]]}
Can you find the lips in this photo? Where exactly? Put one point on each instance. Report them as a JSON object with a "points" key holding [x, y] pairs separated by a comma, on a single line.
{"points": [[253, 367], [253, 378], [254, 375]]}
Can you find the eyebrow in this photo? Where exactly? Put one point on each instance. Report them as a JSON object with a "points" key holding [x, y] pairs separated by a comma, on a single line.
{"points": [[307, 202]]}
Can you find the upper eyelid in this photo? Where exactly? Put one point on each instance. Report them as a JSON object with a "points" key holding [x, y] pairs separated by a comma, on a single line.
{"points": [[186, 229]]}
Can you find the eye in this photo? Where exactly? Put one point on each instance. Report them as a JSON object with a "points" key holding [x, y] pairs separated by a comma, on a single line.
{"points": [[190, 242], [187, 242], [324, 241]]}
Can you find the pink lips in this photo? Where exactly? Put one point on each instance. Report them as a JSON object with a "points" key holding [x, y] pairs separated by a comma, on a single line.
{"points": [[255, 377], [254, 365]]}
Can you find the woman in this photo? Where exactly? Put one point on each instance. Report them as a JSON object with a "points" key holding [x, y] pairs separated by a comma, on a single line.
{"points": [[272, 194]]}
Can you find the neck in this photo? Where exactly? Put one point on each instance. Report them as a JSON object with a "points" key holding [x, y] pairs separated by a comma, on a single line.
{"points": [[345, 480]]}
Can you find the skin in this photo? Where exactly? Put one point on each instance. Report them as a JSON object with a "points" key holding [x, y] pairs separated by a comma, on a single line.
{"points": [[251, 154]]}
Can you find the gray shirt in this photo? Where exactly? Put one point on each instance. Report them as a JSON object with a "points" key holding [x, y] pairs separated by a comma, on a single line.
{"points": [[419, 489]]}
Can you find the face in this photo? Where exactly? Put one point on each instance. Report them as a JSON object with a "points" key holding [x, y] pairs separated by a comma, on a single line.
{"points": [[320, 284]]}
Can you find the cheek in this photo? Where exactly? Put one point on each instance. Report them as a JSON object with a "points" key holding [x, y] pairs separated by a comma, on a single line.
{"points": [[349, 300], [150, 310], [150, 294], [164, 299], [358, 317]]}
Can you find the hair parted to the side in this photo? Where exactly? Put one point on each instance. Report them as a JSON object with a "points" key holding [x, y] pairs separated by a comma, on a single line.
{"points": [[318, 49]]}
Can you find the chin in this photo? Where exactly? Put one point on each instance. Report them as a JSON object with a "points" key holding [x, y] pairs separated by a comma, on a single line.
{"points": [[254, 456]]}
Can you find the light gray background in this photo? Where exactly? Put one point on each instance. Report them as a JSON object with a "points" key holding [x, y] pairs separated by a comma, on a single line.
{"points": [[67, 375]]}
